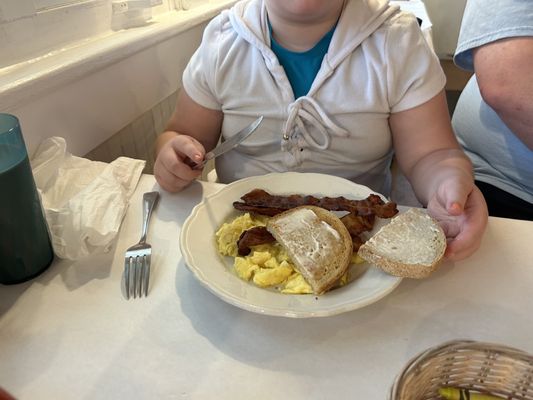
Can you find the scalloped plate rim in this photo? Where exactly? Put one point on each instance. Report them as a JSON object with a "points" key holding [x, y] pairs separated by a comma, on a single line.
{"points": [[239, 293]]}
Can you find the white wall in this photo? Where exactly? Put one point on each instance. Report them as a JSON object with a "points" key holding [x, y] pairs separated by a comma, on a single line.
{"points": [[88, 92], [446, 16], [89, 110], [27, 31]]}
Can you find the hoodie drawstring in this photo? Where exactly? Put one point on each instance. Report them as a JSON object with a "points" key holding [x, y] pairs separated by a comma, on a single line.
{"points": [[307, 110]]}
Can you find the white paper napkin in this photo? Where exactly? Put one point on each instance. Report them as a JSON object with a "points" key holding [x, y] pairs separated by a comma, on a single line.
{"points": [[84, 201]]}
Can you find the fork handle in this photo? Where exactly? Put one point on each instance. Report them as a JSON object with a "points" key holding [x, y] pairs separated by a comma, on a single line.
{"points": [[149, 202]]}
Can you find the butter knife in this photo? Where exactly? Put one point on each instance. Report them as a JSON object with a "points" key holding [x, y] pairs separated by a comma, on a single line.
{"points": [[231, 142]]}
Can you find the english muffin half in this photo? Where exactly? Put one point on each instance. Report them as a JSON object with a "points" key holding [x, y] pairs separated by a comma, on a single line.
{"points": [[317, 242]]}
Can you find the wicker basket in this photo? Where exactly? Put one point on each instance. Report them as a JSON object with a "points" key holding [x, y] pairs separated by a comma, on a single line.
{"points": [[485, 367]]}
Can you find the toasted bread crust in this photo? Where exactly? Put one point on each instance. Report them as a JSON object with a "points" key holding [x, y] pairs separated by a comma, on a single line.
{"points": [[323, 277], [391, 247]]}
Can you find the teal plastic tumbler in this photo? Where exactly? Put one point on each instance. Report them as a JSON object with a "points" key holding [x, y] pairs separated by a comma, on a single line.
{"points": [[25, 248]]}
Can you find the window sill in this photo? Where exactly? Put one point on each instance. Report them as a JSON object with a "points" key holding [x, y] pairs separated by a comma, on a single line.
{"points": [[20, 82]]}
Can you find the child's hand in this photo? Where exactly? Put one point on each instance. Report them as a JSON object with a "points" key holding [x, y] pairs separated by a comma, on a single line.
{"points": [[173, 169], [462, 212]]}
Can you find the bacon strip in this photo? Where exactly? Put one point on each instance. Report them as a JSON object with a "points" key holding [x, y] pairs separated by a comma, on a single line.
{"points": [[360, 218], [262, 202], [253, 237], [357, 241], [355, 224]]}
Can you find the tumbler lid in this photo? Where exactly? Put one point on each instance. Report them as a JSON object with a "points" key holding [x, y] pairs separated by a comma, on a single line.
{"points": [[12, 147]]}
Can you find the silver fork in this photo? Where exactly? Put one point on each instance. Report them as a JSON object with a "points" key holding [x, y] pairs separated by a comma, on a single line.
{"points": [[137, 259]]}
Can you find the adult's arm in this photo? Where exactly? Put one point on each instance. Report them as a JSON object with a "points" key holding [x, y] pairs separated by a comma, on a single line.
{"points": [[504, 71]]}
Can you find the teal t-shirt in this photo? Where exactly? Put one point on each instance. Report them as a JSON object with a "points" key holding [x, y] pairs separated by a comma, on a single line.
{"points": [[301, 67]]}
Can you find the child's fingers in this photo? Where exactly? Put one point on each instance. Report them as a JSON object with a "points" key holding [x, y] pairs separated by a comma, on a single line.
{"points": [[170, 170], [453, 197], [175, 179], [472, 225], [188, 147], [464, 244], [167, 180]]}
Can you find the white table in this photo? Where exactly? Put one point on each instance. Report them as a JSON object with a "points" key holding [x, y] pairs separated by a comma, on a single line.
{"points": [[69, 334]]}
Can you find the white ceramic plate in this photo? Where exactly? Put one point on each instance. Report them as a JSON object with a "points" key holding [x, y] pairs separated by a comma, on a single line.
{"points": [[198, 247]]}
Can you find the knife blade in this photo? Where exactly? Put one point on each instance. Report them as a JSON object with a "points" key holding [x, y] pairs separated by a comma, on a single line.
{"points": [[231, 142]]}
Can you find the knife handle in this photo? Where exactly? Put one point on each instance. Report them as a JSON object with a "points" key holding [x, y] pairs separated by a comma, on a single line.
{"points": [[193, 164]]}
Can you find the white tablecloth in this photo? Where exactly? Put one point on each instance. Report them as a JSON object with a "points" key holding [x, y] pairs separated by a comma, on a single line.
{"points": [[69, 334]]}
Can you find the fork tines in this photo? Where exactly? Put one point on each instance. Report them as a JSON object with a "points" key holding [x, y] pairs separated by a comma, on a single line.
{"points": [[137, 258], [137, 275]]}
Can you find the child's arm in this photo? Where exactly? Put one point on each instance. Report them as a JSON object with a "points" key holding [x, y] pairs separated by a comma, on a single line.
{"points": [[424, 143], [191, 131], [440, 173]]}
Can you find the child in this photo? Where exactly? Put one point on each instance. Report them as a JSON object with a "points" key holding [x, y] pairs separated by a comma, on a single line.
{"points": [[357, 81]]}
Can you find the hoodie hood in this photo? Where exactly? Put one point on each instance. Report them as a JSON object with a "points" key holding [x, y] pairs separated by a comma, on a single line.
{"points": [[359, 20], [367, 16]]}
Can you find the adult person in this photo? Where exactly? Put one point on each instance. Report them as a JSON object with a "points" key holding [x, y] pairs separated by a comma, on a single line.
{"points": [[493, 119], [342, 85]]}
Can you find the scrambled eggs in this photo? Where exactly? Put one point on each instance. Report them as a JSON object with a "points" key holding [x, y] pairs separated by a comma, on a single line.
{"points": [[267, 265]]}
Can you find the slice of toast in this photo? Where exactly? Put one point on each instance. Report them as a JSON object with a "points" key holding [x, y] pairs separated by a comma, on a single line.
{"points": [[410, 246], [317, 242]]}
